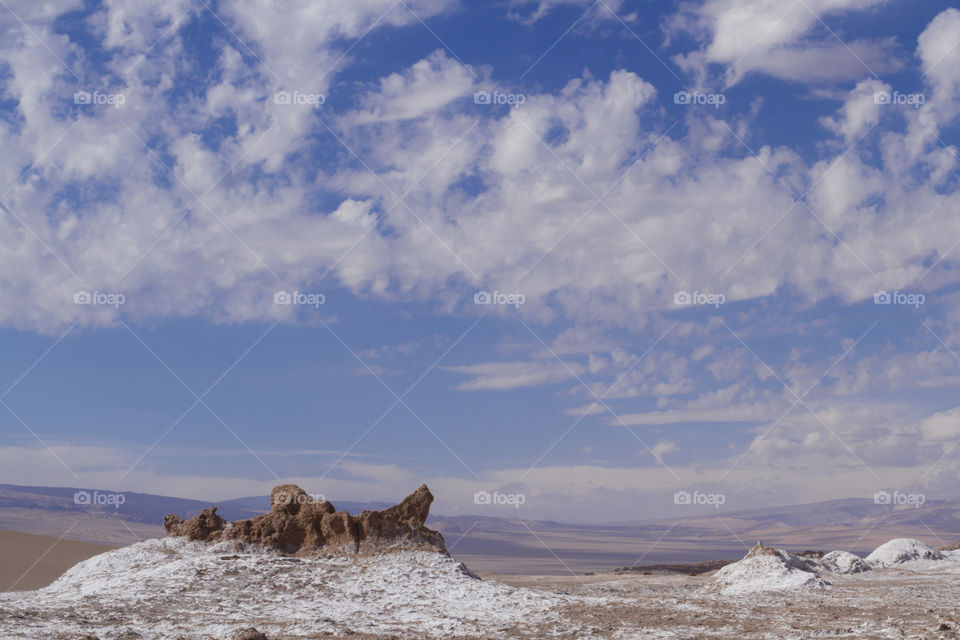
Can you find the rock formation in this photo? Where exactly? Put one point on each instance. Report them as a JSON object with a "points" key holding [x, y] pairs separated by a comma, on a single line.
{"points": [[299, 525]]}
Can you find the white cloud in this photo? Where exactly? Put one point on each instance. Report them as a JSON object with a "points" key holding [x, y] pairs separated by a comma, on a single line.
{"points": [[943, 426], [940, 55], [663, 447], [678, 416], [777, 37], [860, 111], [136, 25], [428, 85], [515, 374], [530, 11]]}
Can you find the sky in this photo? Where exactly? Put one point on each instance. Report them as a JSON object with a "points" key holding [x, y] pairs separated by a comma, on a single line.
{"points": [[561, 259]]}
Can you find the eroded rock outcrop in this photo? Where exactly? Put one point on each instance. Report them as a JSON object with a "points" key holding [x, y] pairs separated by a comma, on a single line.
{"points": [[299, 525]]}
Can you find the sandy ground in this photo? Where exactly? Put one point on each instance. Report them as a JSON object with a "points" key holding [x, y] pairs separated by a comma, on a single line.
{"points": [[83, 527], [29, 561]]}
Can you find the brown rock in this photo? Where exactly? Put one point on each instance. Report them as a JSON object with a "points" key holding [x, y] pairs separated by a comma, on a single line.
{"points": [[250, 633], [201, 527], [299, 525]]}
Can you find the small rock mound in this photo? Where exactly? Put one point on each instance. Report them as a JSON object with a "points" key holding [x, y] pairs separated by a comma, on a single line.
{"points": [[767, 569], [900, 551], [299, 525], [250, 633], [843, 562]]}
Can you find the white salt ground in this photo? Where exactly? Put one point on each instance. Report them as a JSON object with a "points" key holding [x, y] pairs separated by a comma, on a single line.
{"points": [[171, 587], [843, 562]]}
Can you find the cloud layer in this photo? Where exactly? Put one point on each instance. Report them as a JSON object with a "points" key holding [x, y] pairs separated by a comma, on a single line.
{"points": [[192, 176]]}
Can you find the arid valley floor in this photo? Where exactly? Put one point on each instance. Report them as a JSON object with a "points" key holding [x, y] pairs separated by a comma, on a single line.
{"points": [[295, 572], [194, 594]]}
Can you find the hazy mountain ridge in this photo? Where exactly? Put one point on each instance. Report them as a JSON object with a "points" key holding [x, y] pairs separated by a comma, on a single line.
{"points": [[498, 544], [145, 508]]}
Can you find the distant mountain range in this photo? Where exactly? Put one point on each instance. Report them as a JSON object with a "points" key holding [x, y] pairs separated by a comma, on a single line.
{"points": [[516, 546], [144, 508]]}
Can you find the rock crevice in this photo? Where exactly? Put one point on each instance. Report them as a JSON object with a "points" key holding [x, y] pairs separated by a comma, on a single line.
{"points": [[297, 524]]}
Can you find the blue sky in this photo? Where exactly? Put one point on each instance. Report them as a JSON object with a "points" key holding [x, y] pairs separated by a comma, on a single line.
{"points": [[688, 214]]}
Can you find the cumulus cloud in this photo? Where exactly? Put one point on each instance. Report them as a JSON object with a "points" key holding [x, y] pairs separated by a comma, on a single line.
{"points": [[781, 38]]}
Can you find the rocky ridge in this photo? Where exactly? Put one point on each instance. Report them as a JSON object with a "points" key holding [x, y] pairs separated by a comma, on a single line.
{"points": [[300, 525]]}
